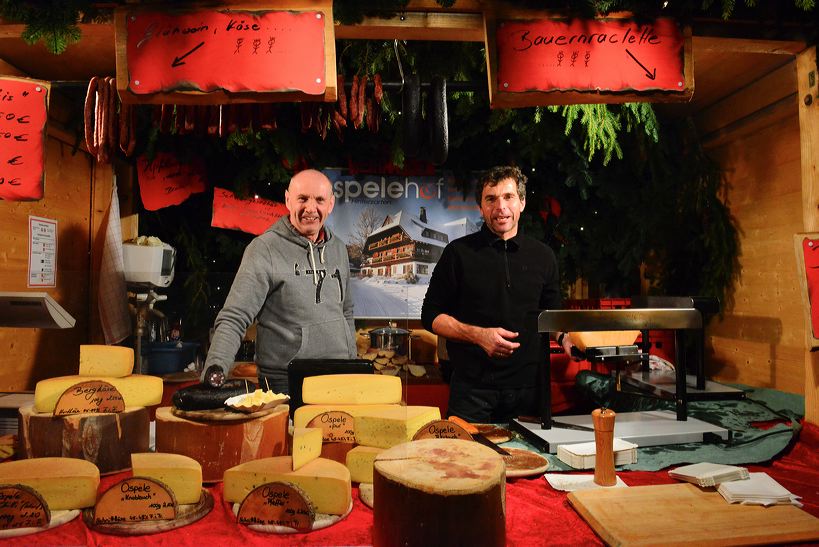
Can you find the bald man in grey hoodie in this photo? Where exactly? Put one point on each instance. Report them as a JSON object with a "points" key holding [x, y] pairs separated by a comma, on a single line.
{"points": [[294, 280]]}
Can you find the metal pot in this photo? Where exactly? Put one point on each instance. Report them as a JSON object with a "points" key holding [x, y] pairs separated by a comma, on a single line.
{"points": [[389, 338]]}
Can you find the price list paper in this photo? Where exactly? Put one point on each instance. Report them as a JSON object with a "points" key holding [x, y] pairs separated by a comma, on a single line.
{"points": [[23, 116], [42, 252]]}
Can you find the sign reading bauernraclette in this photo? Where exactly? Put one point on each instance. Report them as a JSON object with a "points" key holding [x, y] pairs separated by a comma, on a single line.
{"points": [[234, 51], [613, 55]]}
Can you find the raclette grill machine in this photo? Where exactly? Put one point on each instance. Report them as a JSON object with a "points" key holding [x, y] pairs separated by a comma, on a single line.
{"points": [[643, 428]]}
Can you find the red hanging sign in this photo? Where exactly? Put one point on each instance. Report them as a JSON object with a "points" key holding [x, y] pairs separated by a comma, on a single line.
{"points": [[226, 50], [23, 116], [165, 181], [590, 55], [254, 215]]}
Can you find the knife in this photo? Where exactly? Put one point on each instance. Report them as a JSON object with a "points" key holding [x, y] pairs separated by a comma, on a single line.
{"points": [[564, 425], [486, 442]]}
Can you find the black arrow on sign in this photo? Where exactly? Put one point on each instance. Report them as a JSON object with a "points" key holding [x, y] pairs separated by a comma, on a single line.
{"points": [[650, 75], [179, 62]]}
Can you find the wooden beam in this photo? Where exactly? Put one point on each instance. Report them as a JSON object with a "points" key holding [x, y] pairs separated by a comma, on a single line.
{"points": [[808, 96], [8, 69], [743, 102], [741, 45], [430, 26]]}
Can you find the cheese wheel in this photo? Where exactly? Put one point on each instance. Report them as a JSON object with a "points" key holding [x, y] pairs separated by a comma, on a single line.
{"points": [[354, 389], [305, 413], [384, 428], [360, 463], [136, 389], [64, 483], [426, 489], [98, 360], [326, 483], [593, 339], [183, 475]]}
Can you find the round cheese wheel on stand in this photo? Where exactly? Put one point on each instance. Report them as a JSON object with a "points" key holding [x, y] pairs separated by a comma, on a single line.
{"points": [[439, 492], [106, 440]]}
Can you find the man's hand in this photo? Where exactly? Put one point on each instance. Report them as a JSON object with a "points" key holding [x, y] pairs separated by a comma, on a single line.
{"points": [[496, 341]]}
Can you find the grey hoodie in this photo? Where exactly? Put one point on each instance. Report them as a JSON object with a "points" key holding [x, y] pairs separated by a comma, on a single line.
{"points": [[298, 291]]}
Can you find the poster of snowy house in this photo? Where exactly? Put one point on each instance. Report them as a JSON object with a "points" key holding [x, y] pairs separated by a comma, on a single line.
{"points": [[396, 228]]}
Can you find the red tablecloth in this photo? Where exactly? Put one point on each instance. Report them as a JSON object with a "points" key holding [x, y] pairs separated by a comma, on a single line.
{"points": [[536, 514]]}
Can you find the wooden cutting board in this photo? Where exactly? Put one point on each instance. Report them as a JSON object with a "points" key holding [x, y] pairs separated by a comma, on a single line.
{"points": [[684, 514]]}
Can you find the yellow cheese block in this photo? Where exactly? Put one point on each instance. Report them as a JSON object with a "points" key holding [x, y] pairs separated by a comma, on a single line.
{"points": [[326, 483], [183, 475], [97, 360], [594, 339], [136, 389], [64, 483], [352, 389], [386, 428], [305, 413], [306, 445], [360, 462]]}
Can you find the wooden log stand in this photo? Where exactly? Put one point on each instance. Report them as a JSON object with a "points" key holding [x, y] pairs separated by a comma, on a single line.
{"points": [[106, 440], [219, 445], [424, 489]]}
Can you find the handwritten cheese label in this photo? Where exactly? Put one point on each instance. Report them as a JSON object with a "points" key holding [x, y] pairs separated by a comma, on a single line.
{"points": [[278, 504], [442, 429], [166, 181], [23, 116], [234, 51], [94, 396], [254, 215], [22, 507], [590, 55], [135, 500], [337, 426]]}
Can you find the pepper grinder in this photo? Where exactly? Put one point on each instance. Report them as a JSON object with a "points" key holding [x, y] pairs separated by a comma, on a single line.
{"points": [[603, 419]]}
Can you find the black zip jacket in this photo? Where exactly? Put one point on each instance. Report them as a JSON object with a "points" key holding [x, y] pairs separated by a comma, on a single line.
{"points": [[485, 281]]}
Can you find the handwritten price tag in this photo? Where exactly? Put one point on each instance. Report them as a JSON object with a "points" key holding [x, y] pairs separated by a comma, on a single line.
{"points": [[337, 426], [165, 181], [278, 504], [135, 500], [23, 115], [94, 396], [22, 507], [442, 429]]}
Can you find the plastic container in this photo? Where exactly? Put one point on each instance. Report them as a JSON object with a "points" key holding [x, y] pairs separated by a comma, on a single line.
{"points": [[168, 357]]}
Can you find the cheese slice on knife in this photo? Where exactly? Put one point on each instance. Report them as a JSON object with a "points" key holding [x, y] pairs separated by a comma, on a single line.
{"points": [[99, 360], [136, 389], [326, 483], [306, 445], [594, 339], [183, 475], [64, 483], [354, 389]]}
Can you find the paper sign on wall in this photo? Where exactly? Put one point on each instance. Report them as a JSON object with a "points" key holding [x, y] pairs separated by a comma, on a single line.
{"points": [[590, 55], [254, 215], [226, 50], [165, 181], [23, 116], [42, 252]]}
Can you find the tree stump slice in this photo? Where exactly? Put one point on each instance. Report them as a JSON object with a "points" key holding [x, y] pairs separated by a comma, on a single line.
{"points": [[106, 440], [439, 492], [220, 445]]}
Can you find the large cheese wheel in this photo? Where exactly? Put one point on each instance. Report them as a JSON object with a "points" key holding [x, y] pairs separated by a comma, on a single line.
{"points": [[64, 483], [220, 445], [136, 389], [106, 440], [98, 360], [439, 492], [352, 389], [600, 338]]}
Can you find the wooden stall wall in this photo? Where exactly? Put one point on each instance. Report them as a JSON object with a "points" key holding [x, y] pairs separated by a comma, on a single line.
{"points": [[28, 355], [754, 134]]}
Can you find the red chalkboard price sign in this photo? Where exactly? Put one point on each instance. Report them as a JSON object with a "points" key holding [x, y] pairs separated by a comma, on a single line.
{"points": [[254, 215], [23, 115], [582, 57], [229, 50], [165, 181]]}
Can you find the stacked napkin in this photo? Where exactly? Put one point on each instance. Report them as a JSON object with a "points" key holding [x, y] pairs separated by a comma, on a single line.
{"points": [[759, 489]]}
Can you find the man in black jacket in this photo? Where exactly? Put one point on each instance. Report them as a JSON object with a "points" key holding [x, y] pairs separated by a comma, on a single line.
{"points": [[480, 297]]}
